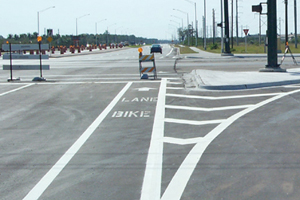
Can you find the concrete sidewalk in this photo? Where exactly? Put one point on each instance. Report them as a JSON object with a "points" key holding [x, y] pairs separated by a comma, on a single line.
{"points": [[220, 80]]}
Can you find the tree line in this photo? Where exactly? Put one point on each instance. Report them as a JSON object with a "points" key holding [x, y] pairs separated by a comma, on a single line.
{"points": [[84, 39]]}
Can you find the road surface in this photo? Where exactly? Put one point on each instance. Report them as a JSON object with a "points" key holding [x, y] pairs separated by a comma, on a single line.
{"points": [[95, 130]]}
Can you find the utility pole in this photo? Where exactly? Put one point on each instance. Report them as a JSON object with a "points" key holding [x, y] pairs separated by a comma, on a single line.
{"points": [[227, 39], [222, 37], [231, 23], [272, 65], [214, 27], [237, 24], [204, 25], [295, 16]]}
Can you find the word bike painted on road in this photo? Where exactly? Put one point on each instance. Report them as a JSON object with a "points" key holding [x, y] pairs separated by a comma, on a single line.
{"points": [[131, 114]]}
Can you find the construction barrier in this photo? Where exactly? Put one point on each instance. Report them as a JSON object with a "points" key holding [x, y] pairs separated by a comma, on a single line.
{"points": [[145, 70]]}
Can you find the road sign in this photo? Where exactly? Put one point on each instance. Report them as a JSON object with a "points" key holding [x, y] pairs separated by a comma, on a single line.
{"points": [[246, 31], [49, 32], [49, 39]]}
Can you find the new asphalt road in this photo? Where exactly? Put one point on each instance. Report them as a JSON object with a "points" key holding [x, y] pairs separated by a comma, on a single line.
{"points": [[95, 130]]}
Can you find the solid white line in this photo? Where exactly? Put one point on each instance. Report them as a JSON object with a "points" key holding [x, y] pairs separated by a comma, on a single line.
{"points": [[170, 52], [220, 98], [43, 184], [17, 89], [178, 183], [292, 86], [192, 122], [96, 82], [207, 109], [181, 141], [151, 189], [174, 83], [175, 88]]}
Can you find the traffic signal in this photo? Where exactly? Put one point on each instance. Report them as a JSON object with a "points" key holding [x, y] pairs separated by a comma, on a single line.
{"points": [[220, 25], [257, 8]]}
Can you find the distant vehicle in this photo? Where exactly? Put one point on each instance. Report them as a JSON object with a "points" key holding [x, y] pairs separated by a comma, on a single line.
{"points": [[156, 48]]}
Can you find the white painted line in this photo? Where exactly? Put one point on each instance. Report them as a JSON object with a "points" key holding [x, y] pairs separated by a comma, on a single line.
{"points": [[174, 83], [207, 109], [96, 82], [17, 89], [192, 122], [44, 183], [175, 88], [170, 52], [151, 189], [292, 86], [179, 181], [219, 98], [180, 141]]}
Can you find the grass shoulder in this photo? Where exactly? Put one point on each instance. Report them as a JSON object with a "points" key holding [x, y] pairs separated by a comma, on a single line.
{"points": [[185, 49]]}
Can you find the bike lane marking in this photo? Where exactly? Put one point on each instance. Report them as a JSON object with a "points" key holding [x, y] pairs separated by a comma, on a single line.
{"points": [[49, 177]]}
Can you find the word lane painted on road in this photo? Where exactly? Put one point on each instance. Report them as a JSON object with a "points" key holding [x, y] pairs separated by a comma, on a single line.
{"points": [[134, 113], [131, 114], [140, 99]]}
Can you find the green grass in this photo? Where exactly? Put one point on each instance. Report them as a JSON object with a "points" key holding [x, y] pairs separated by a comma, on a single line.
{"points": [[185, 49], [251, 49]]}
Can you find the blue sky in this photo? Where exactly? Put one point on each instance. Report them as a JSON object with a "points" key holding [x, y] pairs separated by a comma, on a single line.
{"points": [[143, 18]]}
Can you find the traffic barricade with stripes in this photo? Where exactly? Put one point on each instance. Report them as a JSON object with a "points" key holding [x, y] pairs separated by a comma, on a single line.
{"points": [[145, 70]]}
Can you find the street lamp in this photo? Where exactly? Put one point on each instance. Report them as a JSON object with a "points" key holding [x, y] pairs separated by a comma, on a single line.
{"points": [[196, 22], [107, 32], [178, 18], [77, 20], [38, 17], [187, 14], [175, 29], [97, 30]]}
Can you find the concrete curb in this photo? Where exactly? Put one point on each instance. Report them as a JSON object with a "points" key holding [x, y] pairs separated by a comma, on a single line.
{"points": [[219, 80]]}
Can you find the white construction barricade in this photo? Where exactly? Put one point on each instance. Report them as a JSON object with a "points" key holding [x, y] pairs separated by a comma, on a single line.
{"points": [[145, 70]]}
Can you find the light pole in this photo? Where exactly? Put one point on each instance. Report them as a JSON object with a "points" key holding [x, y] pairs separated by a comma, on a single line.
{"points": [[175, 29], [187, 16], [77, 23], [180, 19], [107, 32], [97, 30], [204, 28], [38, 17], [196, 21], [116, 33]]}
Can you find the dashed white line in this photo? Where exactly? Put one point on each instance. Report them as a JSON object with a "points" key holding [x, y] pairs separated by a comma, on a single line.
{"points": [[180, 141], [222, 97], [207, 109], [192, 122]]}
